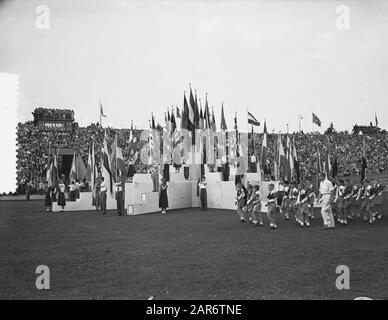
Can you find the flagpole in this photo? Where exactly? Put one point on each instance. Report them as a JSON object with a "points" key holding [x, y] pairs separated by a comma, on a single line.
{"points": [[100, 112]]}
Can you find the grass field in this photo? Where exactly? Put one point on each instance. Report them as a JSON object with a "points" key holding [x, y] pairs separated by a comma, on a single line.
{"points": [[185, 254]]}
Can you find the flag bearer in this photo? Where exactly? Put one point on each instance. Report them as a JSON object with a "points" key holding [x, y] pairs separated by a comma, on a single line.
{"points": [[271, 204]]}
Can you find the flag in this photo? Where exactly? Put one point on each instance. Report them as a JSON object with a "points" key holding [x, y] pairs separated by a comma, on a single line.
{"points": [[173, 123], [89, 167], [207, 114], [101, 110], [80, 166], [201, 122], [196, 114], [363, 168], [316, 120], [48, 169], [131, 137], [296, 172], [284, 166], [290, 157], [213, 126], [185, 124], [252, 120], [376, 121], [93, 172], [73, 169], [54, 170], [223, 122], [153, 121], [334, 169], [106, 168], [120, 164], [178, 112], [264, 146], [327, 163], [192, 109], [319, 167]]}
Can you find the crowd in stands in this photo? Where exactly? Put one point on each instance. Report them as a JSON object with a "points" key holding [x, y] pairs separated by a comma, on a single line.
{"points": [[53, 114], [33, 143]]}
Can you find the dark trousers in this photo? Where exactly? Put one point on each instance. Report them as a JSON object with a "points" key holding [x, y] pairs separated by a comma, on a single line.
{"points": [[203, 197], [120, 203], [103, 201]]}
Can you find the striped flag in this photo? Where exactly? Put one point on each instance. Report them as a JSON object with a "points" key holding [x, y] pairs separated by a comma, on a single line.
{"points": [[252, 120], [316, 120], [106, 168]]}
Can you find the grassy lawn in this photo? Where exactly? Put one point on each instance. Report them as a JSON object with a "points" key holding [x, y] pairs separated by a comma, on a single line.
{"points": [[185, 254]]}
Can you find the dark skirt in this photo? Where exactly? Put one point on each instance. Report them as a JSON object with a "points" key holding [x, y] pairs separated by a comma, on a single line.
{"points": [[61, 199], [47, 199], [163, 200], [131, 171]]}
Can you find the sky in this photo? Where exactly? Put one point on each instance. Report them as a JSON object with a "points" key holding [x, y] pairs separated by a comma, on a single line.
{"points": [[277, 59]]}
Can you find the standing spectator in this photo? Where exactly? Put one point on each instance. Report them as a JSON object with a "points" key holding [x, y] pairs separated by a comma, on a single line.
{"points": [[203, 193]]}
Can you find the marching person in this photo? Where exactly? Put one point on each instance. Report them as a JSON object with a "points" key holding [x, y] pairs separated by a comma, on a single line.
{"points": [[255, 199], [163, 198], [326, 194], [120, 196], [340, 201], [311, 199], [379, 200], [203, 193], [240, 201], [271, 204], [285, 207], [61, 195], [303, 202], [47, 200], [294, 192], [102, 196], [249, 204]]}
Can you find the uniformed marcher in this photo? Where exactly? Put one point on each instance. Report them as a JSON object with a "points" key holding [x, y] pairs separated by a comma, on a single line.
{"points": [[102, 196], [120, 196]]}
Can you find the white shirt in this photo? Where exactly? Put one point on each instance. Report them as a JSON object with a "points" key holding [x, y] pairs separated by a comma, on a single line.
{"points": [[202, 185], [103, 186], [326, 187]]}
